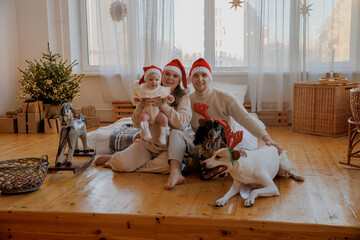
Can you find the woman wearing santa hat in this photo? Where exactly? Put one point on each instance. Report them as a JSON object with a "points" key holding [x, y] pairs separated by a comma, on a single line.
{"points": [[149, 155]]}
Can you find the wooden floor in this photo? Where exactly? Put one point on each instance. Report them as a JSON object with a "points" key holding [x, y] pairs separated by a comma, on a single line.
{"points": [[102, 204]]}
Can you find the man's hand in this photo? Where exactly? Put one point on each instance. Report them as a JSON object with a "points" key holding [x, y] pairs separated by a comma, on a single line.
{"points": [[269, 142]]}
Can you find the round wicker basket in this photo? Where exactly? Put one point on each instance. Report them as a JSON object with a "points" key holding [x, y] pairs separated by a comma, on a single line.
{"points": [[355, 103], [22, 175]]}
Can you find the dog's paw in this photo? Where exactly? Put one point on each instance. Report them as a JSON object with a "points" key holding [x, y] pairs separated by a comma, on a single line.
{"points": [[249, 202], [299, 178], [220, 202]]}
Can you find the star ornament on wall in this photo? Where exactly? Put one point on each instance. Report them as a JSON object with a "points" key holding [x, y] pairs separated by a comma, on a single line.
{"points": [[236, 3], [305, 9]]}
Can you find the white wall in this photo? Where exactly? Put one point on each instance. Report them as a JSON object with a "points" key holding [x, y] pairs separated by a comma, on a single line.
{"points": [[9, 86]]}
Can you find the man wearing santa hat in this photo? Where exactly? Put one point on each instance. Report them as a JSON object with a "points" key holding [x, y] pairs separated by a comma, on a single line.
{"points": [[223, 105]]}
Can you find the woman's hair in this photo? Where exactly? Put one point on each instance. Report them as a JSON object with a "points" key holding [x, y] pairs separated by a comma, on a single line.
{"points": [[178, 93]]}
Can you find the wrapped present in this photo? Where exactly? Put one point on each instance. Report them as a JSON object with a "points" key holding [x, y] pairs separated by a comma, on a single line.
{"points": [[88, 111], [12, 114], [32, 107], [8, 124], [52, 111], [92, 121], [52, 125], [31, 122]]}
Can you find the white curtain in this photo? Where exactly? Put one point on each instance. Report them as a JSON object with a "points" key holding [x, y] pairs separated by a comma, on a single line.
{"points": [[291, 41], [144, 37]]}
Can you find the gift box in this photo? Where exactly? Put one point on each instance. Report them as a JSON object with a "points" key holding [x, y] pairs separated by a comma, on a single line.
{"points": [[52, 111], [51, 125], [8, 124], [32, 107], [88, 111], [92, 121], [12, 114], [31, 122]]}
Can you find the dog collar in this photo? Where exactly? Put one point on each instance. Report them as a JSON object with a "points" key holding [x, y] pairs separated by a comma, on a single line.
{"points": [[231, 158]]}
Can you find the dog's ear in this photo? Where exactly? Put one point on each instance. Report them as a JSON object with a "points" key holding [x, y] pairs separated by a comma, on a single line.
{"points": [[202, 122], [222, 145], [235, 154], [199, 135]]}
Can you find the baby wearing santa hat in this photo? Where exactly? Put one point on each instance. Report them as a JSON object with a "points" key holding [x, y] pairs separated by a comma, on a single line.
{"points": [[150, 87]]}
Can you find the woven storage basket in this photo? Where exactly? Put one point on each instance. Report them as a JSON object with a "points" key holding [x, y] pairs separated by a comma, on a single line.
{"points": [[321, 109], [355, 103], [22, 175]]}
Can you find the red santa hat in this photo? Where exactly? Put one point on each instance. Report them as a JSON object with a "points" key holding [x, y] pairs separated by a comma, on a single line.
{"points": [[176, 66], [148, 70], [200, 65]]}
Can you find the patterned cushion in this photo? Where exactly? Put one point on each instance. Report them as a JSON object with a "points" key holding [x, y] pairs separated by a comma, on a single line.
{"points": [[123, 138]]}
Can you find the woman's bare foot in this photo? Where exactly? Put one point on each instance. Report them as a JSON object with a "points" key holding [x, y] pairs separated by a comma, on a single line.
{"points": [[175, 176], [102, 159]]}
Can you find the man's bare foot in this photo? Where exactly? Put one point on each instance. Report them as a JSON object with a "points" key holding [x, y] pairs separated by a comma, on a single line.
{"points": [[175, 176], [102, 159]]}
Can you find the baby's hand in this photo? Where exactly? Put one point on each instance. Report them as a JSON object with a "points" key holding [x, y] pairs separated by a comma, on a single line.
{"points": [[137, 99], [170, 98]]}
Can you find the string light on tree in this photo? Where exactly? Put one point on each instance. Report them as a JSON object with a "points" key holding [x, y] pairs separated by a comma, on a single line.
{"points": [[236, 3]]}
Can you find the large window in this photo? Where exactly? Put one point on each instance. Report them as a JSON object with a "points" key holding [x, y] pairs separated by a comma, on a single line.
{"points": [[213, 30], [209, 29]]}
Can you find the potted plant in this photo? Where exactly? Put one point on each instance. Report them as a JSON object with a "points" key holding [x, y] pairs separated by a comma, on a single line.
{"points": [[51, 81]]}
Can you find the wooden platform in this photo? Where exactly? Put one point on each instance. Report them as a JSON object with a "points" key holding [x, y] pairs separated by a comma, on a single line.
{"points": [[102, 204], [271, 118]]}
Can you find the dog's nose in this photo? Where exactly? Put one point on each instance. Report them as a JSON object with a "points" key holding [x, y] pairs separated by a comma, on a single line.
{"points": [[211, 135], [203, 164]]}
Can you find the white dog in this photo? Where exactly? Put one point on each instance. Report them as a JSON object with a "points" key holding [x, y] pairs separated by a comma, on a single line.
{"points": [[255, 168]]}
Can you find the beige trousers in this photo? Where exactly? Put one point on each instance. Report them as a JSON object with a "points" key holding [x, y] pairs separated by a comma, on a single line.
{"points": [[140, 156]]}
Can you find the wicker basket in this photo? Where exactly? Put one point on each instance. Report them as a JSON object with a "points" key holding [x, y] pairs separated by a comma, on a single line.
{"points": [[22, 175], [355, 103], [322, 109]]}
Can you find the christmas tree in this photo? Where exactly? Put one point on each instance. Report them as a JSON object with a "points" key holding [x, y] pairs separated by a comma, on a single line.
{"points": [[50, 80]]}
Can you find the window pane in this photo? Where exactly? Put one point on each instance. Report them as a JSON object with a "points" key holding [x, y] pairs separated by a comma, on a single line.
{"points": [[189, 30], [329, 30], [92, 41], [229, 35]]}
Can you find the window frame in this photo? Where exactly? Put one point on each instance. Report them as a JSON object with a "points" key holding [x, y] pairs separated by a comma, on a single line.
{"points": [[209, 42], [85, 66], [209, 54]]}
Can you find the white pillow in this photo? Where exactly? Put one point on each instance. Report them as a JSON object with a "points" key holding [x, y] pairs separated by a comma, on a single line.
{"points": [[238, 90]]}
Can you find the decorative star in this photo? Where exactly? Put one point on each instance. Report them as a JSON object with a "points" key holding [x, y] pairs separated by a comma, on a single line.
{"points": [[236, 3], [305, 9]]}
